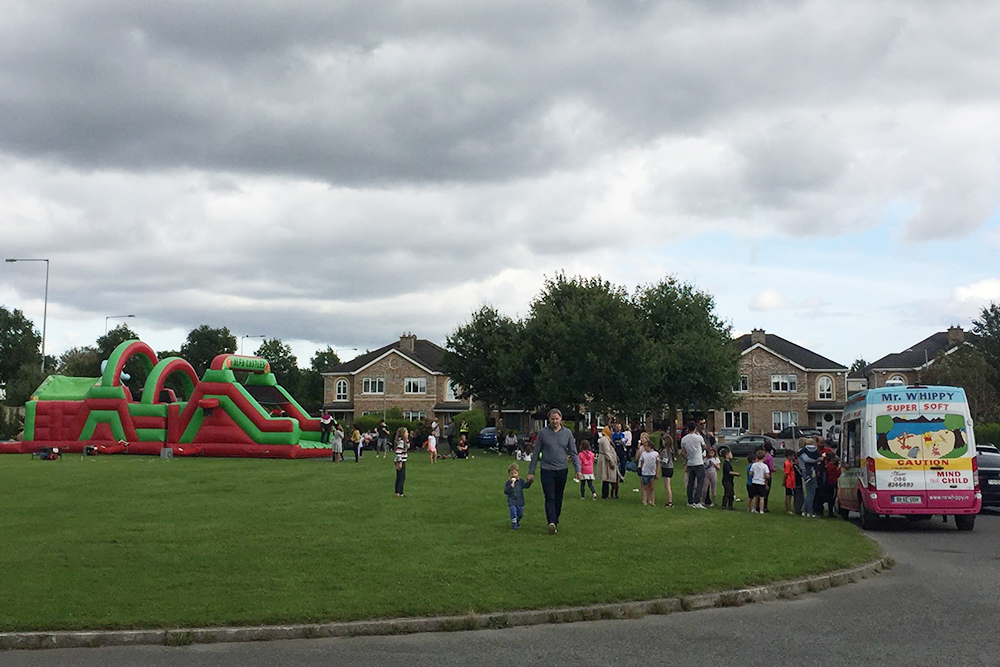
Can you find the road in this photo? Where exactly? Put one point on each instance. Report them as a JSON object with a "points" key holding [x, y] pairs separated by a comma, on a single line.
{"points": [[939, 605]]}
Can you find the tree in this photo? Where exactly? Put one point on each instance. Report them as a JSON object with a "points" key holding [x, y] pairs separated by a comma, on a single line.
{"points": [[20, 345], [968, 367], [204, 343], [27, 379], [107, 343], [80, 362], [309, 392], [987, 329], [858, 365], [693, 360], [324, 360], [284, 365], [585, 346], [483, 358]]}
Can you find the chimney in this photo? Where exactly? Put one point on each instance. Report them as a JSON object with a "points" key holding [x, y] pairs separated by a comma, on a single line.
{"points": [[407, 342], [757, 336], [955, 336]]}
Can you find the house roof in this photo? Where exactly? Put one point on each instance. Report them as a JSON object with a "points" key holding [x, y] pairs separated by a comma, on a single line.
{"points": [[425, 353], [795, 353], [916, 356]]}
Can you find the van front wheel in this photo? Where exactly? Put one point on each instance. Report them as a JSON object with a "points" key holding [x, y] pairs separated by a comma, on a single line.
{"points": [[868, 520], [965, 521]]}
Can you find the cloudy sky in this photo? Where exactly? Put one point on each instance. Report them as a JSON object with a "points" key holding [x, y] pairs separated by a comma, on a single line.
{"points": [[338, 173]]}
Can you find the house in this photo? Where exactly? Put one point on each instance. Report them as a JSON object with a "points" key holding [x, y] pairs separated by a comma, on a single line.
{"points": [[906, 366], [781, 384], [404, 374]]}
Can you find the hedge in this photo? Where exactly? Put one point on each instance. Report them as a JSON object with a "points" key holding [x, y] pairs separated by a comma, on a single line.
{"points": [[988, 433], [476, 420]]}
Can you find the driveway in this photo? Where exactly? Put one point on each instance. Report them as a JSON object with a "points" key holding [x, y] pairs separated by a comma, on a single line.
{"points": [[939, 605]]}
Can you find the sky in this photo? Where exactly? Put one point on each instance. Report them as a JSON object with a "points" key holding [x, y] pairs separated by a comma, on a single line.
{"points": [[335, 173]]}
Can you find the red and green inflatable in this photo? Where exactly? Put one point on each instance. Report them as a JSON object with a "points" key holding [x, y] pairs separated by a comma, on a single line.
{"points": [[221, 416]]}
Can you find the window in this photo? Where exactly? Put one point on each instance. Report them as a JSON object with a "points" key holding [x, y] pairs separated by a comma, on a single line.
{"points": [[738, 420], [897, 378], [852, 444], [414, 415], [824, 388], [373, 386], [367, 413], [743, 385], [451, 394], [415, 386], [784, 383], [781, 419], [341, 390]]}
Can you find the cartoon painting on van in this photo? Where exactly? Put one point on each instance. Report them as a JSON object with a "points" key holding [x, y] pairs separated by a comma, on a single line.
{"points": [[921, 437]]}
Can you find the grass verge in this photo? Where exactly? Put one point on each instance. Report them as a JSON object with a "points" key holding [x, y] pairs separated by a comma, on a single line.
{"points": [[137, 542]]}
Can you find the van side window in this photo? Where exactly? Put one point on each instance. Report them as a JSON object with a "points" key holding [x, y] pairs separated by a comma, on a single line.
{"points": [[852, 443]]}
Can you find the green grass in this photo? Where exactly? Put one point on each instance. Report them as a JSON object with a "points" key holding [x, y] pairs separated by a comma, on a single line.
{"points": [[132, 542]]}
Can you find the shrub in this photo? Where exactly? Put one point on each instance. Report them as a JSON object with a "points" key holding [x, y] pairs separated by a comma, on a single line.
{"points": [[370, 422], [988, 433], [476, 419]]}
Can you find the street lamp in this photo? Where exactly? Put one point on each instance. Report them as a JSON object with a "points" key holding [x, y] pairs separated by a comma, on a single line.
{"points": [[45, 310], [248, 336], [112, 317]]}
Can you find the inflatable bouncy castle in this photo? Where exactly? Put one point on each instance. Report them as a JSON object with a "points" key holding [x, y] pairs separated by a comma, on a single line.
{"points": [[221, 416]]}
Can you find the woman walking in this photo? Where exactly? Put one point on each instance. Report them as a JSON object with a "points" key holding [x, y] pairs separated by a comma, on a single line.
{"points": [[606, 468], [338, 442], [402, 445]]}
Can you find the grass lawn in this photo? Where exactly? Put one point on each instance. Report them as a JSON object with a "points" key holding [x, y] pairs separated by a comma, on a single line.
{"points": [[130, 542]]}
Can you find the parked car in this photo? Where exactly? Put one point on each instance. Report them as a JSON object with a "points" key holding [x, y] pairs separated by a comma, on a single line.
{"points": [[748, 444], [789, 436], [833, 436], [487, 437], [989, 473], [728, 434]]}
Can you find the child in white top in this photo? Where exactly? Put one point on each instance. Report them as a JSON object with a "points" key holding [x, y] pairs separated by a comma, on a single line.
{"points": [[759, 476], [649, 463]]}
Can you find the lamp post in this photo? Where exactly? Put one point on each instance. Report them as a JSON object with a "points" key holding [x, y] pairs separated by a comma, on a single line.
{"points": [[112, 317], [45, 308], [248, 336]]}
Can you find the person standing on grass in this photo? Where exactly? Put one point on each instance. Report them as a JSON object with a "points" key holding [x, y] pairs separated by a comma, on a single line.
{"points": [[789, 482], [769, 462], [759, 474], [607, 467], [586, 470], [356, 443], [383, 439], [668, 454], [402, 444], [808, 461], [648, 463], [728, 479], [712, 465], [553, 446], [514, 488], [693, 447], [432, 450], [325, 426], [338, 442]]}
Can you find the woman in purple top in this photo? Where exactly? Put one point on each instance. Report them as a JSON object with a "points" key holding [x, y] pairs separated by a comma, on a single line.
{"points": [[769, 462]]}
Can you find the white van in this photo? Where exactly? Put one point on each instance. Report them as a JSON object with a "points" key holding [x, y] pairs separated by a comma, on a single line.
{"points": [[909, 451]]}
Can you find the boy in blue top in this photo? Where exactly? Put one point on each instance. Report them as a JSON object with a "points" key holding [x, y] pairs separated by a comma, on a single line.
{"points": [[514, 488]]}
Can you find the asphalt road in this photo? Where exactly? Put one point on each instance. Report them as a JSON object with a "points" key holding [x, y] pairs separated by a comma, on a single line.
{"points": [[939, 605]]}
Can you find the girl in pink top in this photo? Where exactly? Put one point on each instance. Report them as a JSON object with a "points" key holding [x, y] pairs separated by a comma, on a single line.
{"points": [[586, 470]]}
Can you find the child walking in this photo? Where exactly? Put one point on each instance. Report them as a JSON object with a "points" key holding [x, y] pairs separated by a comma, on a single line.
{"points": [[750, 460], [649, 461], [586, 470], [759, 474], [514, 488], [402, 444], [728, 475]]}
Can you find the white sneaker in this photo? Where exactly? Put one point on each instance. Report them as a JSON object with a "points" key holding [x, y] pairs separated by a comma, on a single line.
{"points": [[699, 506]]}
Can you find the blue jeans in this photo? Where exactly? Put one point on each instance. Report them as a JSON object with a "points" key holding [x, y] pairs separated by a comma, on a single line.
{"points": [[516, 514], [809, 488], [696, 484]]}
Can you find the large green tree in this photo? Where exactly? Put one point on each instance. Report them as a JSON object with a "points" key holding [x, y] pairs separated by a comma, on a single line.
{"points": [[20, 345], [309, 392], [82, 361], [968, 367], [204, 343], [284, 365], [693, 362], [586, 346], [134, 367], [987, 328], [484, 358]]}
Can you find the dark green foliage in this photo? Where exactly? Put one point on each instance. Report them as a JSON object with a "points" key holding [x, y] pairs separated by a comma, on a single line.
{"points": [[474, 419], [324, 360], [284, 365], [27, 380], [204, 344], [483, 358], [858, 365], [987, 329], [80, 362], [11, 423], [988, 433], [968, 367], [20, 344]]}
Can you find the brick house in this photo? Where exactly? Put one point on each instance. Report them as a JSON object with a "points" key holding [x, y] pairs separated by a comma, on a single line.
{"points": [[907, 365], [781, 383], [405, 374]]}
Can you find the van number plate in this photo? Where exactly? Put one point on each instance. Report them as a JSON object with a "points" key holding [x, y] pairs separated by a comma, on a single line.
{"points": [[907, 499]]}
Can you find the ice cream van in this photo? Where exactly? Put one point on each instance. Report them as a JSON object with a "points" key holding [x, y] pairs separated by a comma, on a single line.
{"points": [[910, 451]]}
